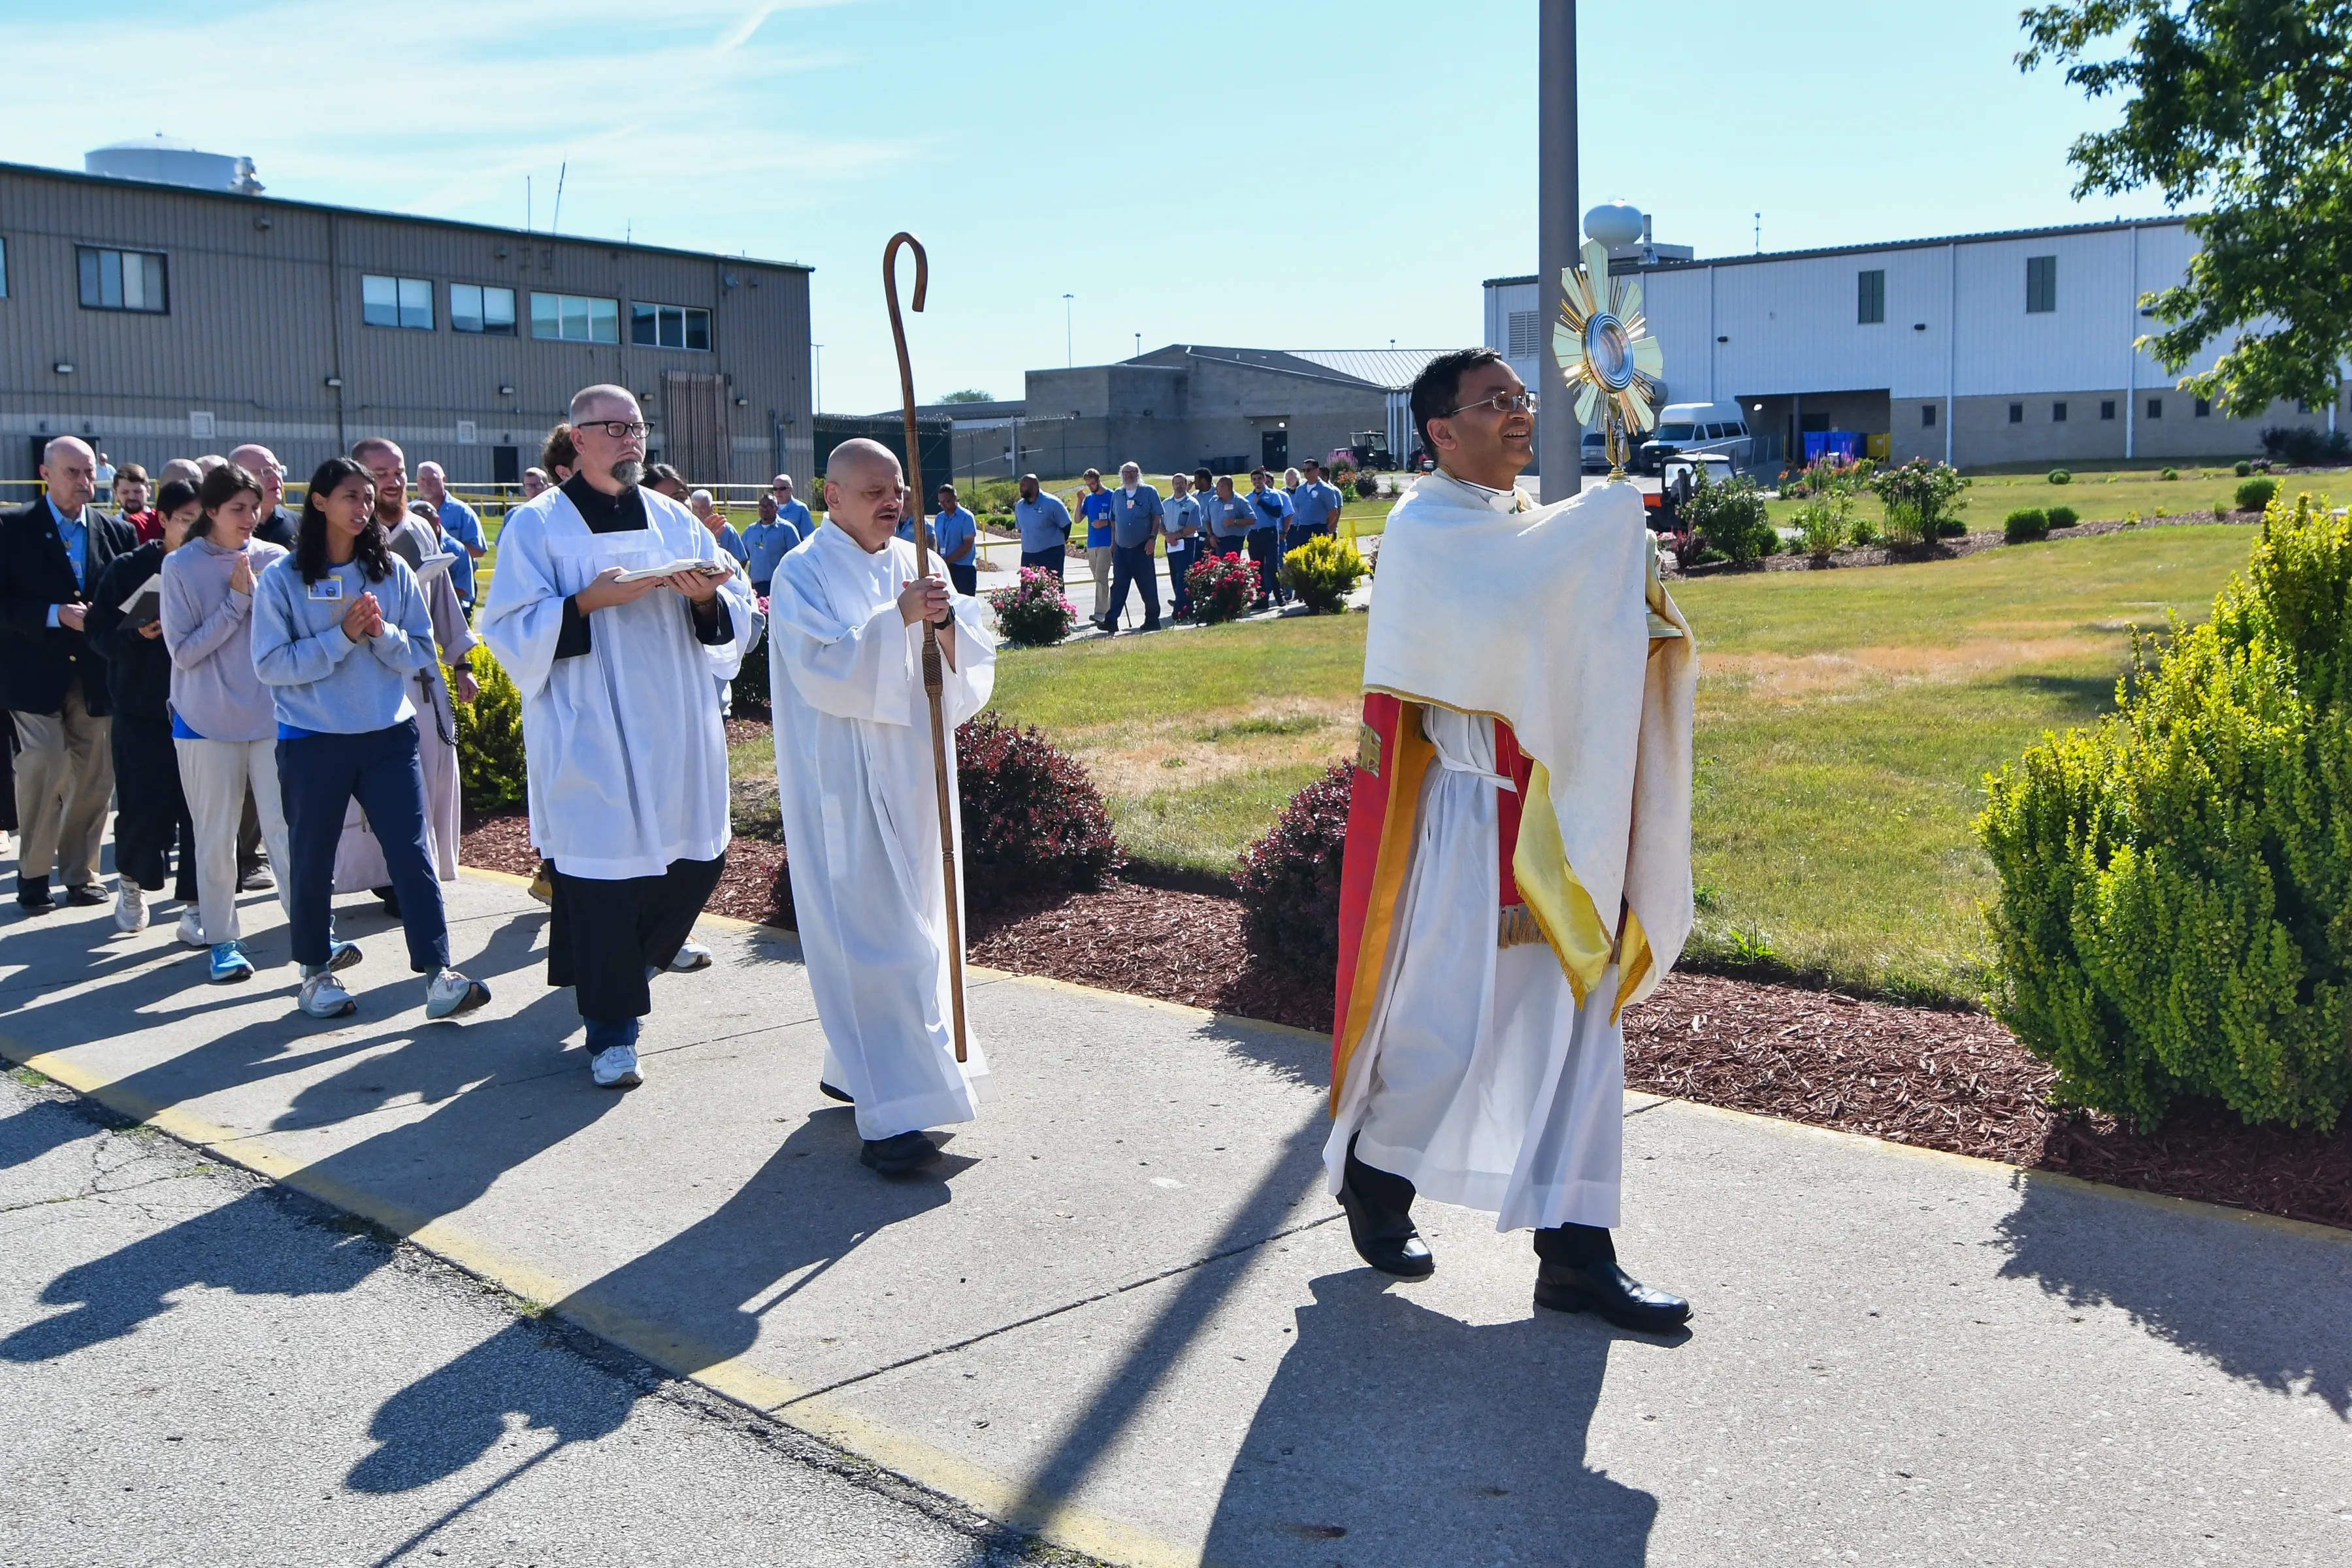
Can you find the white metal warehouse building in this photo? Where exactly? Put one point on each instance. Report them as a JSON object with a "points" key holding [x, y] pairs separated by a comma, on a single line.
{"points": [[1981, 349]]}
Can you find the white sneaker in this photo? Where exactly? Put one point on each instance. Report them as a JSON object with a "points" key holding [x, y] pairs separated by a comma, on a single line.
{"points": [[691, 955], [192, 930], [616, 1068], [129, 907], [452, 994], [324, 997]]}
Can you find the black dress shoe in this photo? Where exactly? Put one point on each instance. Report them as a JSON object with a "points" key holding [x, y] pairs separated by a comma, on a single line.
{"points": [[1385, 1238], [897, 1156], [86, 895], [1605, 1289], [830, 1092], [40, 904]]}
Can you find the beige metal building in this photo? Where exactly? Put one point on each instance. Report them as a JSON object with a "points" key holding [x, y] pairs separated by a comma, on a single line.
{"points": [[159, 319]]}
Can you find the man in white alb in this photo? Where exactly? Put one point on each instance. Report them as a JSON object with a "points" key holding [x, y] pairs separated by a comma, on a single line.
{"points": [[627, 753], [1517, 866], [855, 772]]}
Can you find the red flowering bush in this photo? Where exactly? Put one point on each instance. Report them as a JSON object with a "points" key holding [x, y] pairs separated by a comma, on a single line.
{"points": [[1033, 612], [1032, 817], [1289, 879], [1222, 587]]}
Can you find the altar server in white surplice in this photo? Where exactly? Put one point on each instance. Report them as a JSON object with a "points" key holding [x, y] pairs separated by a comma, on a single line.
{"points": [[626, 749], [1517, 866], [855, 771]]}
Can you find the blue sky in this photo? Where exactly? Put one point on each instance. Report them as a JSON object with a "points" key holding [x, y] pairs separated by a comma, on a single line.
{"points": [[1302, 174]]}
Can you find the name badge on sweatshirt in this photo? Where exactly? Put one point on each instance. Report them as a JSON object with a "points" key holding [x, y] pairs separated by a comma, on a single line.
{"points": [[327, 588]]}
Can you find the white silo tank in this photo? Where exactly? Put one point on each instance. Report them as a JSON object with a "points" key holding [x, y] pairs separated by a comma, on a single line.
{"points": [[166, 161], [1615, 224]]}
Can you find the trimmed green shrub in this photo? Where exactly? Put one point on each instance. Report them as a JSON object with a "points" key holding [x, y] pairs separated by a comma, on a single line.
{"points": [[2025, 525], [2174, 915], [1953, 528], [2169, 474], [2256, 495], [2062, 517], [1823, 523], [1919, 497], [2244, 468], [1729, 518], [1033, 820], [2061, 477], [1322, 572], [749, 688], [491, 773], [1289, 880]]}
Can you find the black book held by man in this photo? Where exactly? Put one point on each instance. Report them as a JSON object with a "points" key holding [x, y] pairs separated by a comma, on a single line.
{"points": [[145, 604]]}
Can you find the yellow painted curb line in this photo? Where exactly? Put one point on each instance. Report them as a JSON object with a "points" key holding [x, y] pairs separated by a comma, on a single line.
{"points": [[730, 1377]]}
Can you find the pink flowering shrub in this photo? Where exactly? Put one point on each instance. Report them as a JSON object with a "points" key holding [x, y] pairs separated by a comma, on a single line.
{"points": [[1033, 612], [1289, 879], [1222, 587], [1032, 817]]}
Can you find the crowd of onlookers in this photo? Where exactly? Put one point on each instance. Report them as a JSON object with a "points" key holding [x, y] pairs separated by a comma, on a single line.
{"points": [[1202, 514]]}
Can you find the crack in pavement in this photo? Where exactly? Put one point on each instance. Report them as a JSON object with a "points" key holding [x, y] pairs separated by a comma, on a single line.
{"points": [[1066, 1306]]}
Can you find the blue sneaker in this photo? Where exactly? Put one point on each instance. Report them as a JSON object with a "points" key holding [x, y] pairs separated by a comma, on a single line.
{"points": [[229, 964], [341, 956]]}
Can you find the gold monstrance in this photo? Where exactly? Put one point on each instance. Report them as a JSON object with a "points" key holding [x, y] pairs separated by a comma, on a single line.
{"points": [[1606, 353]]}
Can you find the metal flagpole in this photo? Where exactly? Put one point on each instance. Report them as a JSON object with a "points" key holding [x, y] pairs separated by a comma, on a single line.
{"points": [[1559, 446]]}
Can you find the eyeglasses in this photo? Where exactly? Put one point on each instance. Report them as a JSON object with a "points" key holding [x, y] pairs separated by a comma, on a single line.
{"points": [[619, 429], [1502, 402]]}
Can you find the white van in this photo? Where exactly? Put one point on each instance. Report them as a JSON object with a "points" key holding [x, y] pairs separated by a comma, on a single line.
{"points": [[1712, 428]]}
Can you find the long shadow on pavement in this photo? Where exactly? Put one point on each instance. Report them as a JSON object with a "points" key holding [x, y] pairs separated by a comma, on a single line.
{"points": [[704, 1292], [1387, 1439], [2263, 1304]]}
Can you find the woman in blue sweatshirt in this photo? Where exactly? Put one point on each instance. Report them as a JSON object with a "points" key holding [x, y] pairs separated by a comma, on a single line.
{"points": [[340, 627]]}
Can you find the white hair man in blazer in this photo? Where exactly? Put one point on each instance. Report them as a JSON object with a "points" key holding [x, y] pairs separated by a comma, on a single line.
{"points": [[52, 681]]}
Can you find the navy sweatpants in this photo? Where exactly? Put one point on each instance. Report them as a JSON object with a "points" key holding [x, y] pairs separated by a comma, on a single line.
{"points": [[317, 777]]}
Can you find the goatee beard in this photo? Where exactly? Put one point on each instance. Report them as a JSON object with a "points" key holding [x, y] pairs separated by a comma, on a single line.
{"points": [[627, 472]]}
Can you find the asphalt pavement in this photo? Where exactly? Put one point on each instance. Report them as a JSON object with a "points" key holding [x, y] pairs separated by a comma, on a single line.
{"points": [[1121, 1311]]}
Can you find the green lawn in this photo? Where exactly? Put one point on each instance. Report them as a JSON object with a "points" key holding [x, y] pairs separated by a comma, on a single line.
{"points": [[2102, 494], [1846, 722]]}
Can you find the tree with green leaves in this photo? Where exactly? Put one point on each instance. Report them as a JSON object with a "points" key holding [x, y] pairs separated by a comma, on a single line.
{"points": [[2247, 106], [969, 395]]}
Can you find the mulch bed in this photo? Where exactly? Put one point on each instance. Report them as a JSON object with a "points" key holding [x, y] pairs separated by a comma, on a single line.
{"points": [[1938, 1079]]}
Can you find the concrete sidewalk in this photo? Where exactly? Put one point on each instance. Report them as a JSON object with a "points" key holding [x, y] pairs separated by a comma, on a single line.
{"points": [[1120, 1309]]}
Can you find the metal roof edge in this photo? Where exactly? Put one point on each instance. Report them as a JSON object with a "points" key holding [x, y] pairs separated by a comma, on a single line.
{"points": [[111, 182], [2113, 226]]}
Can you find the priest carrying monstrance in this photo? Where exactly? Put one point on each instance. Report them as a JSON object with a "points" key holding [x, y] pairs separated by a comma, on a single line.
{"points": [[1517, 866]]}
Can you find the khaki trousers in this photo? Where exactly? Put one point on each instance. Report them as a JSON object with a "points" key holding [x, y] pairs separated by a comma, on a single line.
{"points": [[65, 779], [1099, 562], [216, 776]]}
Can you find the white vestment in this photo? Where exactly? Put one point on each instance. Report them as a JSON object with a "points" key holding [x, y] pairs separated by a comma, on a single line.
{"points": [[1479, 1077], [359, 858], [627, 752], [855, 773]]}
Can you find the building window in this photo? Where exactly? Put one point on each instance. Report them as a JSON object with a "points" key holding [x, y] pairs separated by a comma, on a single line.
{"points": [[2041, 284], [2156, 408], [396, 303], [2017, 414], [2204, 409], [1523, 334], [1870, 298], [2057, 413], [668, 327], [480, 308], [123, 280], [2106, 408], [575, 317], [1928, 415]]}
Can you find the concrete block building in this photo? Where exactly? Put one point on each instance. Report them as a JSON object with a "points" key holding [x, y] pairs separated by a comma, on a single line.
{"points": [[157, 317], [1189, 405], [1986, 349]]}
